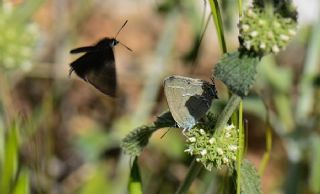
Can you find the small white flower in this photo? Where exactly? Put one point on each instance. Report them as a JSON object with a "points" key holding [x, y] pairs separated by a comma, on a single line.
{"points": [[233, 147], [202, 132], [247, 44], [189, 150], [254, 33], [292, 32], [225, 160], [220, 151], [284, 37], [192, 139], [203, 152], [233, 157], [228, 135], [229, 127], [245, 27], [262, 45], [275, 49], [212, 140], [198, 159]]}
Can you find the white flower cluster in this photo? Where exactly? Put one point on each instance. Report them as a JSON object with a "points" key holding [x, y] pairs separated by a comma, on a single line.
{"points": [[17, 40], [213, 149], [265, 33]]}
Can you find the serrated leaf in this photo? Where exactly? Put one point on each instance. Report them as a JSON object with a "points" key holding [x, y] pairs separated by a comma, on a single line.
{"points": [[237, 71], [165, 119], [250, 180], [137, 139]]}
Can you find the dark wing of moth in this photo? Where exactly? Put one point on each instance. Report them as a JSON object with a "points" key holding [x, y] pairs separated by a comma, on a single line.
{"points": [[83, 49], [97, 68]]}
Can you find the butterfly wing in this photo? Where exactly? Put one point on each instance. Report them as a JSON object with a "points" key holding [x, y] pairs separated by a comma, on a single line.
{"points": [[104, 78], [98, 68], [188, 99], [83, 49]]}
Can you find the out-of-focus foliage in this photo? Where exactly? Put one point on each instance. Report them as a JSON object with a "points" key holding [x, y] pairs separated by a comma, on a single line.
{"points": [[250, 179], [18, 36], [12, 178]]}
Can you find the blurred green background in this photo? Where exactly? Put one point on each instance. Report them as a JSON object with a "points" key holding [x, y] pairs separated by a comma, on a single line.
{"points": [[61, 135]]}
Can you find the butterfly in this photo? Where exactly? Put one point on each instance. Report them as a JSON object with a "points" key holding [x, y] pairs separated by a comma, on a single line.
{"points": [[97, 65], [188, 99]]}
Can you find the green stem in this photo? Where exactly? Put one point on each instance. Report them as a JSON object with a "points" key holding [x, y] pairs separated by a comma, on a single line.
{"points": [[215, 10], [266, 155], [135, 184], [233, 103], [240, 148], [241, 132], [193, 172], [240, 7]]}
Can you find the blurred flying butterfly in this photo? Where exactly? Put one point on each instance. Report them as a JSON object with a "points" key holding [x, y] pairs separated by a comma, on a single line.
{"points": [[97, 65], [188, 99]]}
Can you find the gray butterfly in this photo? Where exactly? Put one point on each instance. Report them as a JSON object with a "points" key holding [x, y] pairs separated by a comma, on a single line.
{"points": [[188, 99]]}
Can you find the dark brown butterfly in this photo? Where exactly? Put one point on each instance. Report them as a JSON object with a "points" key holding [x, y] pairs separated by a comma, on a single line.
{"points": [[97, 65]]}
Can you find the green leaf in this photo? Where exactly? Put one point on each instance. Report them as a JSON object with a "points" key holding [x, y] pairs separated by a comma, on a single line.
{"points": [[137, 139], [135, 183], [250, 180], [217, 19], [237, 71], [10, 163], [22, 184]]}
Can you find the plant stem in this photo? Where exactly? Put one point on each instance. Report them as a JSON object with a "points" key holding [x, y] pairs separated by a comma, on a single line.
{"points": [[215, 10], [266, 155], [233, 103], [240, 148], [240, 7], [135, 184], [193, 172]]}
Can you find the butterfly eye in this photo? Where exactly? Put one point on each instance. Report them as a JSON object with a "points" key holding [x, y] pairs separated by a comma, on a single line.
{"points": [[114, 42]]}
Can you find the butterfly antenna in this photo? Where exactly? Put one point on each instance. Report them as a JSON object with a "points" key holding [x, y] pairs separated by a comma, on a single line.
{"points": [[126, 46], [165, 133], [121, 28]]}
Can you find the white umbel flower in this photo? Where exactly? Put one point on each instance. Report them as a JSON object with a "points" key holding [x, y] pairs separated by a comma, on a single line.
{"points": [[212, 140], [219, 151], [192, 139], [203, 152], [202, 132]]}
